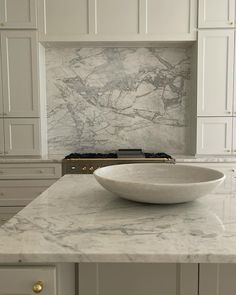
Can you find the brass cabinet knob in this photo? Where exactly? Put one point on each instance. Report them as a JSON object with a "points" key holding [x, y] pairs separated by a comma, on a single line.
{"points": [[38, 287], [231, 23], [84, 168], [228, 112], [91, 168]]}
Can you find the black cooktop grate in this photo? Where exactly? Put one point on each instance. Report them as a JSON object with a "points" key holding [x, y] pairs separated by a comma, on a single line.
{"points": [[112, 156]]}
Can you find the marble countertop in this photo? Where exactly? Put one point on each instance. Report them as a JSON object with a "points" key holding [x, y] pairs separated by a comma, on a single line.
{"points": [[76, 220]]}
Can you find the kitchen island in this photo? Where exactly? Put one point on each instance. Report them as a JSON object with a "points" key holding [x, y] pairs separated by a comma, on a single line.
{"points": [[77, 221]]}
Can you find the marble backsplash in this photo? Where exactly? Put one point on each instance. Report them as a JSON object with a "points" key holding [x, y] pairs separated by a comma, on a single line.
{"points": [[102, 99]]}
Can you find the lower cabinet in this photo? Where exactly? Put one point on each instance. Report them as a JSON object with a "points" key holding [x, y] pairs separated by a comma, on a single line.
{"points": [[56, 279], [214, 135], [22, 137], [138, 279], [27, 280], [217, 279]]}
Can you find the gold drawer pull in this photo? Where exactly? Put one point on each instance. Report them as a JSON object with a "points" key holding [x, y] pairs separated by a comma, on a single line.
{"points": [[38, 287]]}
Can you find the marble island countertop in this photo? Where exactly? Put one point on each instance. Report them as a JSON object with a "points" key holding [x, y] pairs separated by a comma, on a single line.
{"points": [[76, 220]]}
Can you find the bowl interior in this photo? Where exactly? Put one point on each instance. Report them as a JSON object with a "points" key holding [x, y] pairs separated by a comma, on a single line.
{"points": [[158, 173]]}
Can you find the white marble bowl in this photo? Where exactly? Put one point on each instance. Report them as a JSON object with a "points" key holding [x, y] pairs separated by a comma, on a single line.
{"points": [[158, 183]]}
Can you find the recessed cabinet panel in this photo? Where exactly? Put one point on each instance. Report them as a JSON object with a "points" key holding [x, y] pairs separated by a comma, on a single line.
{"points": [[117, 16], [18, 14], [217, 279], [66, 18], [170, 17], [138, 279], [22, 137], [215, 72], [25, 278], [1, 138], [216, 13], [214, 136], [20, 73]]}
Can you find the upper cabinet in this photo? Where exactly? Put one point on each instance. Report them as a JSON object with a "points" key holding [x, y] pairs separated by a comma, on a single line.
{"points": [[19, 64], [215, 73], [18, 14], [117, 20], [216, 13]]}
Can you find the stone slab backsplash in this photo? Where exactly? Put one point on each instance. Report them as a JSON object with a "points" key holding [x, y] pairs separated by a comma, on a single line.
{"points": [[102, 99]]}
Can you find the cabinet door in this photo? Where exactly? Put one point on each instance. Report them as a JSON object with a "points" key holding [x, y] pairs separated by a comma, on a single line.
{"points": [[234, 135], [20, 73], [17, 14], [25, 278], [215, 73], [216, 13], [63, 19], [138, 279], [217, 279], [214, 135], [117, 17], [1, 138], [161, 21], [22, 137]]}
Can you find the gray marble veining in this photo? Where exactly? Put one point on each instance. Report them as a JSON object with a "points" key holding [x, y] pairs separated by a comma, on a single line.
{"points": [[101, 99], [76, 220]]}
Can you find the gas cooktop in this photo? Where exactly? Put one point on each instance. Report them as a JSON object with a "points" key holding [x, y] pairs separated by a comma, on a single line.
{"points": [[86, 163]]}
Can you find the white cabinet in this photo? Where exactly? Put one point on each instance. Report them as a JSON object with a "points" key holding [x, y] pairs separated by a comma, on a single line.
{"points": [[1, 137], [215, 73], [63, 18], [217, 279], [18, 14], [22, 280], [22, 137], [214, 135], [20, 73], [165, 17], [117, 20], [117, 17], [216, 13], [138, 279]]}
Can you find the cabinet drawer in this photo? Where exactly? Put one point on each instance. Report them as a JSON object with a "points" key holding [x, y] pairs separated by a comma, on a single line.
{"points": [[7, 213], [20, 280], [30, 171], [21, 192]]}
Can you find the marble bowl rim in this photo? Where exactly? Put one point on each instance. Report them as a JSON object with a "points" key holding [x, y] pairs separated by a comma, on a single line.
{"points": [[220, 178]]}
